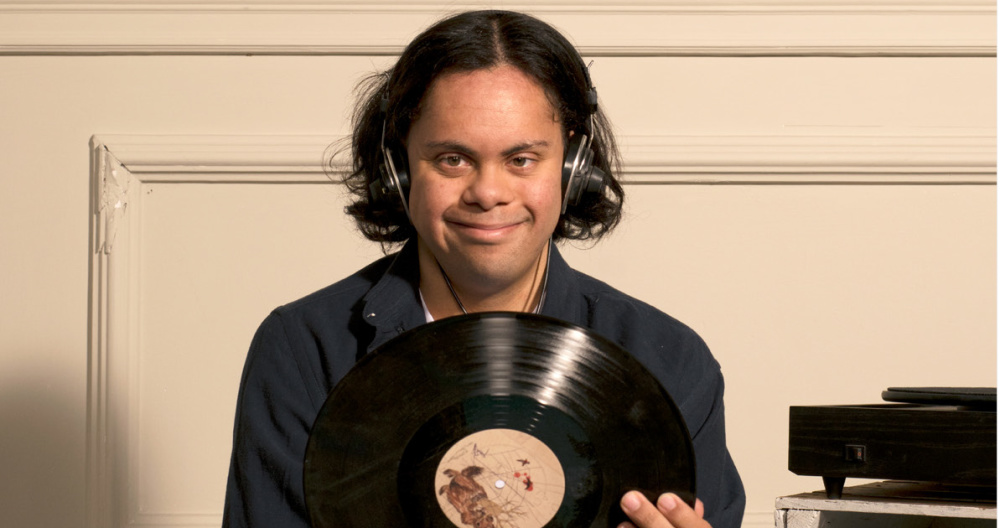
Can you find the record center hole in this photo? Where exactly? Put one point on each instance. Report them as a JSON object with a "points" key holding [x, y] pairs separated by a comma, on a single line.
{"points": [[500, 484]]}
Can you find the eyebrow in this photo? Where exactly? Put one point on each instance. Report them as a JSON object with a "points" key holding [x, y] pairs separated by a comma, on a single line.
{"points": [[449, 145], [464, 149], [528, 145]]}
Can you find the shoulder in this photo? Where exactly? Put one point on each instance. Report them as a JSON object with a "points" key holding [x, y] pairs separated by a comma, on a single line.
{"points": [[634, 323], [670, 349], [322, 334], [328, 316], [341, 294]]}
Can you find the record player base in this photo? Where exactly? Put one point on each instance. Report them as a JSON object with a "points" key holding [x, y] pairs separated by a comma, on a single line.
{"points": [[890, 504]]}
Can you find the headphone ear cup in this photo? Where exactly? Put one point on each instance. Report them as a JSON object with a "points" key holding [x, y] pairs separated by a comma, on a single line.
{"points": [[393, 183], [399, 171], [580, 179]]}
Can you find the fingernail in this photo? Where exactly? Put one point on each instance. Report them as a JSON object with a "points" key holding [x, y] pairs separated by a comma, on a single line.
{"points": [[667, 502], [630, 502]]}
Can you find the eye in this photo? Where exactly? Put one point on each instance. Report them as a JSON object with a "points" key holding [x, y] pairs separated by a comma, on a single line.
{"points": [[451, 160], [521, 162]]}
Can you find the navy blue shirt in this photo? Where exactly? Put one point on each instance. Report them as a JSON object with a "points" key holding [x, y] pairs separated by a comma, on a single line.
{"points": [[303, 349]]}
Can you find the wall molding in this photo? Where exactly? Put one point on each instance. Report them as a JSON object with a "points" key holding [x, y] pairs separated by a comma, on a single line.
{"points": [[935, 157], [113, 339], [114, 354], [669, 28]]}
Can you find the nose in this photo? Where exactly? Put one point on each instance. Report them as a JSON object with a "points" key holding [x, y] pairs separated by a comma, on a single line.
{"points": [[488, 187]]}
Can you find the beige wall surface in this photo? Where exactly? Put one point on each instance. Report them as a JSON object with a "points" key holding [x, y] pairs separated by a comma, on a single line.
{"points": [[810, 187]]}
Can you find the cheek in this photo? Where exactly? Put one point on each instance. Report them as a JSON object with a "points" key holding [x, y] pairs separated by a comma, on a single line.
{"points": [[420, 200], [428, 199], [546, 201]]}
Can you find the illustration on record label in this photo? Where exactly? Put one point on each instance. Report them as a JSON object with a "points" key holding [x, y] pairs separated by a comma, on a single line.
{"points": [[500, 478]]}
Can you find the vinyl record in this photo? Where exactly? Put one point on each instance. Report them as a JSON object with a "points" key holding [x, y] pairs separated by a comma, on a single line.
{"points": [[494, 420], [972, 397]]}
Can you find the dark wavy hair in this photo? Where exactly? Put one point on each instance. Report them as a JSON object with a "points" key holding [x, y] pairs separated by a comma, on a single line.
{"points": [[462, 43]]}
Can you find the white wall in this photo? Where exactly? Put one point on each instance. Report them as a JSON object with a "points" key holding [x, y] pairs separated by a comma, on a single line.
{"points": [[811, 187]]}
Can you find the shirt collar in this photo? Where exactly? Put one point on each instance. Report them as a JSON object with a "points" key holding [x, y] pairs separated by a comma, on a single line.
{"points": [[393, 306], [560, 301]]}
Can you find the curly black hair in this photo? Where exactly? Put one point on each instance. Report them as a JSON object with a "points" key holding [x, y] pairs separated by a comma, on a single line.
{"points": [[389, 102]]}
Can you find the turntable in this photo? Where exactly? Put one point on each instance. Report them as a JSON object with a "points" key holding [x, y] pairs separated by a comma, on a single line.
{"points": [[933, 434]]}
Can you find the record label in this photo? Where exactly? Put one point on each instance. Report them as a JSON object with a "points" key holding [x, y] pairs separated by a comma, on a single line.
{"points": [[500, 478]]}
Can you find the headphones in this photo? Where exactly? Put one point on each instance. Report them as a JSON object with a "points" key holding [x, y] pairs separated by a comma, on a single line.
{"points": [[580, 178]]}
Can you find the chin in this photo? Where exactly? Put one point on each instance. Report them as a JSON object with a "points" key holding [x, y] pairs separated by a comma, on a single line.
{"points": [[497, 273]]}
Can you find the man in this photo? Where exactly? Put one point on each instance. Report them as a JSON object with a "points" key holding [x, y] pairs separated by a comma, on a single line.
{"points": [[481, 147]]}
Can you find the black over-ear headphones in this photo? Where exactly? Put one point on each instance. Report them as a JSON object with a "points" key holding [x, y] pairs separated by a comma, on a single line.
{"points": [[580, 178]]}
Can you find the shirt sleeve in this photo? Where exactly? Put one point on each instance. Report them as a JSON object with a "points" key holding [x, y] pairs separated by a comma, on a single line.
{"points": [[719, 484], [274, 414]]}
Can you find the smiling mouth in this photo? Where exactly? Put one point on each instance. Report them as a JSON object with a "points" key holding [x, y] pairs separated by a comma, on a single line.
{"points": [[484, 227], [484, 230]]}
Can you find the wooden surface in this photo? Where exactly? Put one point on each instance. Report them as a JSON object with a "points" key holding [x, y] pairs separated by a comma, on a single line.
{"points": [[890, 504]]}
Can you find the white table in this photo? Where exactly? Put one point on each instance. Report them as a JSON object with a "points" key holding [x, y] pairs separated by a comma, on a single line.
{"points": [[890, 504]]}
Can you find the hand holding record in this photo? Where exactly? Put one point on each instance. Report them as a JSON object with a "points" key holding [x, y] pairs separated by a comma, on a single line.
{"points": [[495, 420], [668, 512]]}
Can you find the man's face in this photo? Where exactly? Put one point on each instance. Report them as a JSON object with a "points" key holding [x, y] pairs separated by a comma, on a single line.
{"points": [[485, 157]]}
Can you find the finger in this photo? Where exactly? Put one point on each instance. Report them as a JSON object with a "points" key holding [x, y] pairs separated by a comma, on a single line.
{"points": [[642, 512], [679, 513], [699, 508]]}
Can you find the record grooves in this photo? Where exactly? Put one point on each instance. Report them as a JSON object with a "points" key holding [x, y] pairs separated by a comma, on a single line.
{"points": [[494, 420]]}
